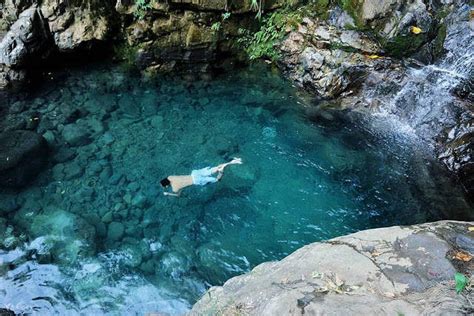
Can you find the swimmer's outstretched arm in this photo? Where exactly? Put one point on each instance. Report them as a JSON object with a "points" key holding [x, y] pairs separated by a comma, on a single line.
{"points": [[220, 168], [172, 194]]}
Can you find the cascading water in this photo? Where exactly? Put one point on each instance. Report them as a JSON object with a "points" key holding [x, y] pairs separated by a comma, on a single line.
{"points": [[434, 102], [426, 101]]}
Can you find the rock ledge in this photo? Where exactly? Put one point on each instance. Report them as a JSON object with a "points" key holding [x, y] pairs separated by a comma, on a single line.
{"points": [[404, 270]]}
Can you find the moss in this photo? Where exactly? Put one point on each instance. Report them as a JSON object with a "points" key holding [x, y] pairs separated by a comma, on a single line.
{"points": [[404, 45], [321, 8], [438, 43], [261, 44], [345, 48], [353, 8], [127, 55]]}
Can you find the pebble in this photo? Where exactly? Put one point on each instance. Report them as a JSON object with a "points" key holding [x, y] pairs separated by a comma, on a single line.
{"points": [[49, 136], [127, 198], [115, 178], [75, 135], [107, 218], [133, 186], [105, 174], [139, 201], [115, 231], [107, 138], [72, 171]]}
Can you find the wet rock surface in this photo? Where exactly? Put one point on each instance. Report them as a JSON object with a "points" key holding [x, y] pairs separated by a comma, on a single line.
{"points": [[23, 154], [360, 69], [409, 270], [151, 35]]}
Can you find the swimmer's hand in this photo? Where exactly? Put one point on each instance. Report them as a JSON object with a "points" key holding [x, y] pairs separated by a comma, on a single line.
{"points": [[171, 194]]}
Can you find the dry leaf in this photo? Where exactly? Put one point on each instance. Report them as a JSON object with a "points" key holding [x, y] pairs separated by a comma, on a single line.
{"points": [[462, 256], [373, 56], [416, 30], [471, 229]]}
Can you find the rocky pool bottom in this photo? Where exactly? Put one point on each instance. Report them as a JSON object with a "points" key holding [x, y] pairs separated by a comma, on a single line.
{"points": [[93, 232]]}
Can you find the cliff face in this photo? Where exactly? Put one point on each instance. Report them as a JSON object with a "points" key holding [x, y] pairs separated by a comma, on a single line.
{"points": [[404, 270], [410, 60], [153, 35]]}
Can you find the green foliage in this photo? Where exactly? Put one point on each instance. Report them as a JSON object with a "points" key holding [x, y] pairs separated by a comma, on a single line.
{"points": [[404, 45], [141, 8], [216, 26], [225, 16], [321, 8], [257, 6], [461, 282], [127, 55], [261, 44], [353, 7]]}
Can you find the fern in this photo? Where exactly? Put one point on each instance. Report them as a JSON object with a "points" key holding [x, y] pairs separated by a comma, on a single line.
{"points": [[141, 8]]}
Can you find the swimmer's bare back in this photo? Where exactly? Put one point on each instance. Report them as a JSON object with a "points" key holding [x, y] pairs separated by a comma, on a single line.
{"points": [[178, 183]]}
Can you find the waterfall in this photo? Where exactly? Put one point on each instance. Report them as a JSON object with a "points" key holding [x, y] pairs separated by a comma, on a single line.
{"points": [[426, 100]]}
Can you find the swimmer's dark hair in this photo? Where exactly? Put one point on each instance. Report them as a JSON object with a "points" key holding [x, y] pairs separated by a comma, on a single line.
{"points": [[165, 182]]}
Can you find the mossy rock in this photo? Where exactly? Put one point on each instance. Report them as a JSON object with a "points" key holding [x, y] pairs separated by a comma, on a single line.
{"points": [[353, 8], [404, 45]]}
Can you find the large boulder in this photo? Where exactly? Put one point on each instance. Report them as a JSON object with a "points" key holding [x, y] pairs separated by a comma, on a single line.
{"points": [[76, 26], [404, 270], [23, 154], [27, 41]]}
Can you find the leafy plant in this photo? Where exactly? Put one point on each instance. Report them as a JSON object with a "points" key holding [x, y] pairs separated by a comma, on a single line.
{"points": [[261, 44], [257, 6], [141, 8], [216, 26], [225, 16], [461, 282]]}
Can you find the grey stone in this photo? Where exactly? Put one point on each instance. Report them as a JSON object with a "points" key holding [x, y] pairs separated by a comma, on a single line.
{"points": [[148, 267], [115, 178], [115, 231], [23, 154], [465, 242], [49, 136], [139, 200], [8, 204], [75, 135], [27, 41], [133, 255], [64, 154], [72, 171], [107, 138], [370, 272], [107, 218]]}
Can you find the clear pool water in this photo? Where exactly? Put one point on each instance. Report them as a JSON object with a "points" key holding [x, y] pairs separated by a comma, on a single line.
{"points": [[94, 232]]}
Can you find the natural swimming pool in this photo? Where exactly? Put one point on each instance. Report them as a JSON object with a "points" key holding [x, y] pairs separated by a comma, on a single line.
{"points": [[101, 236]]}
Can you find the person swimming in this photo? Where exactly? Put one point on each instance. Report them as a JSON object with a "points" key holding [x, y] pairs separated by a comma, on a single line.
{"points": [[197, 177]]}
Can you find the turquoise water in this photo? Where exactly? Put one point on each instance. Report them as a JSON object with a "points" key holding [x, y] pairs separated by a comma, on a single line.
{"points": [[95, 233]]}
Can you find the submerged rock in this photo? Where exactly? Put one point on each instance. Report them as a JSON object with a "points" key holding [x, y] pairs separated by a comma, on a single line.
{"points": [[406, 269], [115, 231], [23, 154], [76, 135]]}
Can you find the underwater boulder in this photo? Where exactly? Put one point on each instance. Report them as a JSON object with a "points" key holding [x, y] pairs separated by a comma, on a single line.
{"points": [[240, 177], [23, 154]]}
